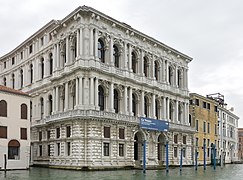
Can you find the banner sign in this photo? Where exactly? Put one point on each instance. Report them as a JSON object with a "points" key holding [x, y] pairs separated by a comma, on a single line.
{"points": [[154, 124]]}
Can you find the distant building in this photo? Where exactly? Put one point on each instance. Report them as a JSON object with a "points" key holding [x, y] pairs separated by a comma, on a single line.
{"points": [[228, 134], [14, 129], [240, 146], [204, 118], [91, 78]]}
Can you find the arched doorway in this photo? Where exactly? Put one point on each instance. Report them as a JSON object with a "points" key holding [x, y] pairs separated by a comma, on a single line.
{"points": [[138, 148], [161, 149], [13, 149]]}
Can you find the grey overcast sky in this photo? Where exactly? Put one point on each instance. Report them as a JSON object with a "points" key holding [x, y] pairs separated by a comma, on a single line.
{"points": [[209, 31]]}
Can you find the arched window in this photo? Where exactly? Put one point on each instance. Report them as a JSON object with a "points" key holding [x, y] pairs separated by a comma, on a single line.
{"points": [[146, 106], [50, 104], [42, 68], [134, 63], [116, 101], [42, 107], [116, 56], [145, 67], [101, 50], [4, 81], [156, 70], [31, 73], [21, 78], [13, 81], [101, 98], [13, 149], [134, 105], [24, 111], [51, 63], [3, 108]]}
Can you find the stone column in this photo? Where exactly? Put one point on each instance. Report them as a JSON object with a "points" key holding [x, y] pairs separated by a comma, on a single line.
{"points": [[125, 56], [111, 52], [153, 115], [54, 100], [78, 45], [176, 111], [125, 99], [96, 43], [168, 109], [86, 91], [77, 92], [67, 51], [96, 93], [66, 97], [142, 114], [57, 99], [91, 95], [86, 41], [176, 77], [186, 78], [152, 68], [129, 58], [54, 57], [91, 42], [186, 114], [130, 101], [167, 72], [81, 41], [80, 90], [58, 56], [111, 93], [142, 63]]}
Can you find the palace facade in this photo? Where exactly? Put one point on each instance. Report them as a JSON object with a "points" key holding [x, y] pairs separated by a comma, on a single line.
{"points": [[91, 78]]}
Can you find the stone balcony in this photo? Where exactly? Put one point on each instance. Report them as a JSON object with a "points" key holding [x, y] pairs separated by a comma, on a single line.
{"points": [[94, 114]]}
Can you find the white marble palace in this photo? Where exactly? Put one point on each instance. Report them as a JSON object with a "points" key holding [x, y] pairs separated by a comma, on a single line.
{"points": [[91, 78]]}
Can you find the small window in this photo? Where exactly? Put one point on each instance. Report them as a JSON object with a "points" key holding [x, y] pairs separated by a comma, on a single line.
{"points": [[30, 49], [3, 132], [40, 150], [42, 41], [58, 149], [175, 152], [48, 135], [40, 135], [21, 55], [184, 152], [208, 128], [204, 105], [13, 60], [204, 127], [176, 138], [215, 108], [5, 81], [58, 132], [68, 131], [197, 102], [3, 108], [196, 142], [23, 133], [23, 111], [106, 148], [49, 149], [121, 150], [107, 132], [190, 102], [215, 129], [68, 150], [208, 106], [4, 65], [121, 133], [184, 139]]}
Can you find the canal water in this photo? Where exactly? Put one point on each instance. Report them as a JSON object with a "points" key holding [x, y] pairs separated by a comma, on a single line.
{"points": [[227, 172]]}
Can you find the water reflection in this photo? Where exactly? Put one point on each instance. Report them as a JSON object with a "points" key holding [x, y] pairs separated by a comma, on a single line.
{"points": [[232, 172]]}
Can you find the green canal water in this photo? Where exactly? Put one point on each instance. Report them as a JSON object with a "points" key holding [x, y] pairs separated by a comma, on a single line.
{"points": [[228, 172]]}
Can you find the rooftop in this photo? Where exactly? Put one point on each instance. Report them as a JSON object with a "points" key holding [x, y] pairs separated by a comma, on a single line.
{"points": [[13, 91]]}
